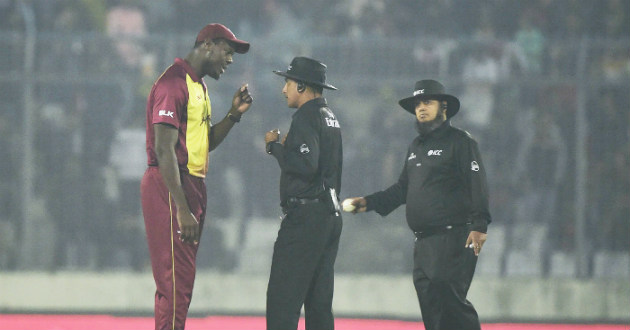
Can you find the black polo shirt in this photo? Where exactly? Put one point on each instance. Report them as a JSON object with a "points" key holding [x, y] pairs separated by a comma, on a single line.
{"points": [[311, 158], [443, 182]]}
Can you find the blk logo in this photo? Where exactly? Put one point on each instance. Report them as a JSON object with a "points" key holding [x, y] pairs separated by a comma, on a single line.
{"points": [[163, 113]]}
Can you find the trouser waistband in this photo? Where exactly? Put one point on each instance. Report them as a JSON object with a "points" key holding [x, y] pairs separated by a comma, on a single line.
{"points": [[294, 202], [438, 230]]}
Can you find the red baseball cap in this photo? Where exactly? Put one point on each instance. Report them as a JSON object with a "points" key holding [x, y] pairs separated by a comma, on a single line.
{"points": [[216, 30]]}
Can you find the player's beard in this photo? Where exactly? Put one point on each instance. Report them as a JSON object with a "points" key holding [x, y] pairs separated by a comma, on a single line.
{"points": [[428, 126]]}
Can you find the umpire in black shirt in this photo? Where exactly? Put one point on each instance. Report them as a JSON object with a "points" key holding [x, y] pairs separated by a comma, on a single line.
{"points": [[310, 157], [443, 185]]}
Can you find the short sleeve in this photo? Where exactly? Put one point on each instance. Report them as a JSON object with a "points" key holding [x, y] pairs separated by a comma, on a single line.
{"points": [[169, 99]]}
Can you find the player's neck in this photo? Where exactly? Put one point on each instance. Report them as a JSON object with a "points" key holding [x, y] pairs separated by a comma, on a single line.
{"points": [[195, 63]]}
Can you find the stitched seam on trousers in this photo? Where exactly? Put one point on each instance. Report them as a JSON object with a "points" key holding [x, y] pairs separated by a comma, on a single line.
{"points": [[170, 208]]}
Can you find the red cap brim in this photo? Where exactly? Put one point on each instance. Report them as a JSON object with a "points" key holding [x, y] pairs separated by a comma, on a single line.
{"points": [[216, 30]]}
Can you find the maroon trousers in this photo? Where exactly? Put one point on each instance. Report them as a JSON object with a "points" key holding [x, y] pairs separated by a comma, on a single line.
{"points": [[172, 261]]}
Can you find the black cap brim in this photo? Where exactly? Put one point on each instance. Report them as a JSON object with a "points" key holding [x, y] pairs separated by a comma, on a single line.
{"points": [[452, 102]]}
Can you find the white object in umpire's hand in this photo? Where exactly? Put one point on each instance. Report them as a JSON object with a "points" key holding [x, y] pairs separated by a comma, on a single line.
{"points": [[347, 205]]}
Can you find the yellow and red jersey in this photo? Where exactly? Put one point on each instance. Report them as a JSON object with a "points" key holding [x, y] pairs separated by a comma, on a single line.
{"points": [[180, 99]]}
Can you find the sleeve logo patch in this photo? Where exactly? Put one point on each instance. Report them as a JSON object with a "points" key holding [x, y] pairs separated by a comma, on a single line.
{"points": [[304, 149], [474, 166], [331, 122], [164, 113]]}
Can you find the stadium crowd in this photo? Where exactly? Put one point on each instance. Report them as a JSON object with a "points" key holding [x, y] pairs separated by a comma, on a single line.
{"points": [[525, 68]]}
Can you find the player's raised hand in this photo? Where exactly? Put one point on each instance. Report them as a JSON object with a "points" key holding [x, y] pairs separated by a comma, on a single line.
{"points": [[242, 100]]}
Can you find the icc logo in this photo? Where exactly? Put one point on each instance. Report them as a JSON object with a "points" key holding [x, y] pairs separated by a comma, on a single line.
{"points": [[434, 153], [304, 149]]}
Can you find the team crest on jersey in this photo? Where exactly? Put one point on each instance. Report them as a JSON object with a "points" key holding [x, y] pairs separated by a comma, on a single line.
{"points": [[304, 149], [474, 166]]}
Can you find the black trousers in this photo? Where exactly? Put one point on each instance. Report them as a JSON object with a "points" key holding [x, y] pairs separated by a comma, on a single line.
{"points": [[443, 271], [302, 269]]}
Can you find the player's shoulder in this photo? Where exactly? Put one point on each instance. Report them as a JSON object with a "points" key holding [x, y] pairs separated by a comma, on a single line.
{"points": [[172, 75], [171, 82], [461, 134]]}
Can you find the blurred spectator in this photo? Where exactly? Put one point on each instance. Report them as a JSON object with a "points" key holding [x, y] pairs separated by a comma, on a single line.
{"points": [[161, 15], [481, 71], [470, 15], [104, 86], [56, 184], [540, 167], [192, 15], [77, 16], [65, 43], [125, 24], [127, 163], [548, 14], [384, 156], [127, 30], [575, 17], [531, 42], [279, 18], [9, 202], [367, 18], [613, 201], [10, 17], [95, 106], [609, 179], [10, 51], [614, 64], [609, 127], [614, 19]]}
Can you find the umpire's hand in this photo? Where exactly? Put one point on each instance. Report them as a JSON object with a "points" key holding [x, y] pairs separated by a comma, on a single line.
{"points": [[272, 136], [475, 241], [359, 203]]}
